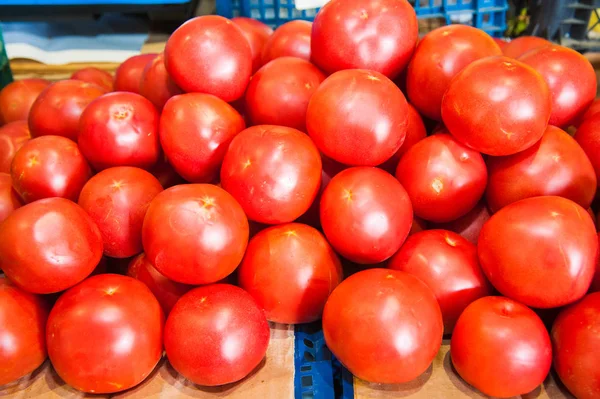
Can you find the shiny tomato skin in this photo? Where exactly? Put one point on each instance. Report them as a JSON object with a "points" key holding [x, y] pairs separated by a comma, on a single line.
{"points": [[447, 263], [384, 326], [57, 110], [588, 137], [195, 233], [497, 106], [274, 172], [120, 129], [156, 85], [105, 334], [469, 226], [357, 117], [521, 45], [9, 199], [366, 214], [290, 270], [444, 178], [501, 347], [49, 166], [291, 39], [12, 136], [257, 35], [440, 56], [279, 92], [95, 76], [196, 142], [210, 54], [216, 335], [593, 109], [49, 245], [128, 75], [546, 262], [16, 99], [555, 165], [117, 200]]}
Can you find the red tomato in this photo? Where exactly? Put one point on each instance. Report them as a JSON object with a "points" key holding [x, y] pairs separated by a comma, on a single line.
{"points": [[448, 264], [49, 166], [291, 39], [555, 165], [521, 45], [23, 330], [12, 136], [165, 173], [105, 334], [210, 54], [592, 110], [440, 56], [588, 137], [96, 76], [128, 76], [444, 179], [540, 251], [156, 85], [497, 105], [117, 200], [358, 117], [501, 347], [216, 335], [195, 233], [120, 129], [417, 226], [257, 35], [274, 172], [57, 110], [501, 42], [366, 214], [9, 200], [290, 270], [279, 92], [596, 282], [384, 326], [49, 245], [379, 35], [16, 99], [196, 142], [469, 226]]}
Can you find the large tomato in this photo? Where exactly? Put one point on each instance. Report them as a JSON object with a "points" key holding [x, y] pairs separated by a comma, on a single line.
{"points": [[17, 98], [279, 92], [555, 165], [216, 335], [442, 54], [12, 136], [156, 85], [105, 334], [469, 226], [501, 347], [497, 105], [379, 35], [257, 35], [588, 137], [96, 76], [195, 142], [521, 45], [129, 74], [291, 39], [210, 54], [385, 326], [444, 178], [274, 172], [49, 166], [117, 200], [195, 233], [448, 264], [358, 117], [290, 270], [366, 214], [540, 251], [9, 200], [49, 245]]}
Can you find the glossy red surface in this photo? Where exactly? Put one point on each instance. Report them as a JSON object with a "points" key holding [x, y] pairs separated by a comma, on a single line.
{"points": [[12, 136], [155, 83], [9, 199], [588, 137], [291, 39], [96, 76], [129, 74], [257, 35], [16, 99], [521, 45]]}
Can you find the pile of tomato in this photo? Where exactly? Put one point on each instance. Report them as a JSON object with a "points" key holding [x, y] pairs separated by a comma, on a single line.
{"points": [[237, 178]]}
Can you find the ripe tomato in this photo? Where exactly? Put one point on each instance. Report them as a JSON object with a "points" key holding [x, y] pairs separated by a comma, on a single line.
{"points": [[291, 39], [290, 270], [195, 233], [497, 105], [49, 245], [592, 110], [274, 172], [596, 282], [120, 129], [444, 178], [440, 56], [195, 142], [49, 166], [521, 45], [279, 92], [447, 263], [23, 330], [502, 43], [257, 35], [17, 97], [105, 334], [417, 226], [384, 326], [210, 54], [555, 165], [117, 200], [96, 76], [57, 110], [12, 136], [357, 117], [156, 85], [366, 214], [165, 173], [216, 335], [588, 137], [546, 261], [129, 74], [469, 226], [501, 347], [9, 200]]}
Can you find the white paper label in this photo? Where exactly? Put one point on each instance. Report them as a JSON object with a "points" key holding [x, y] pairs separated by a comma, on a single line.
{"points": [[309, 4]]}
